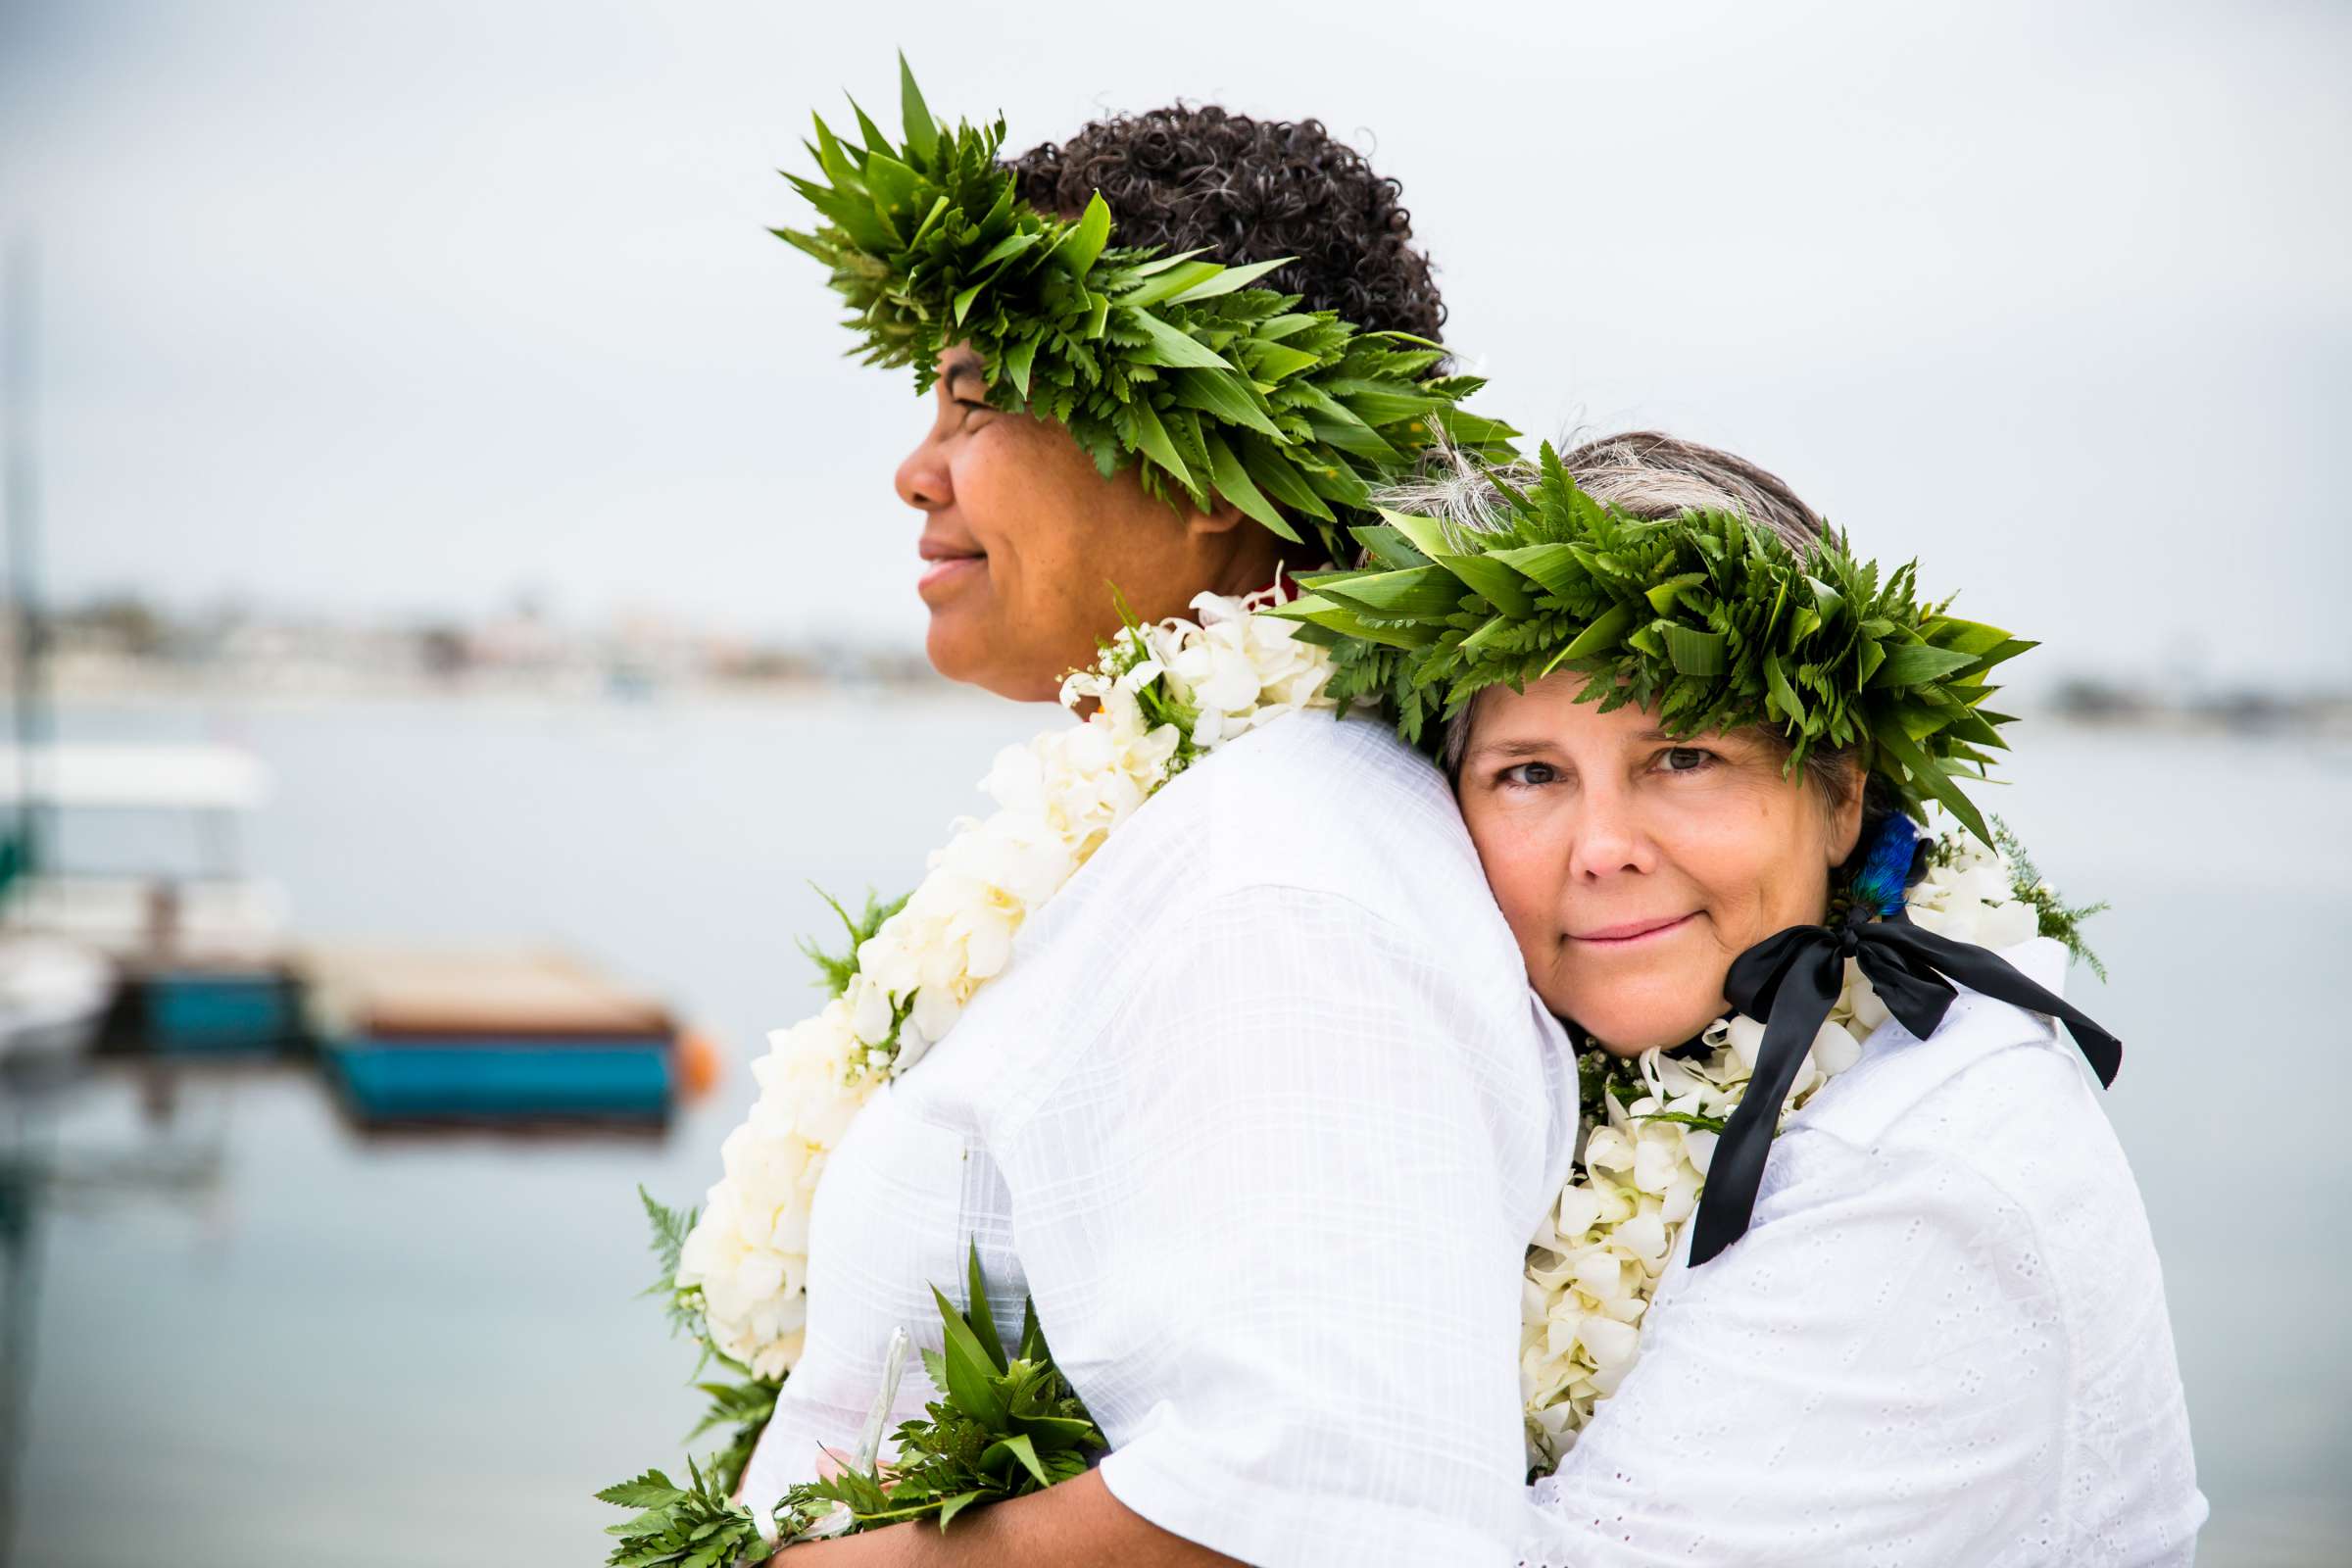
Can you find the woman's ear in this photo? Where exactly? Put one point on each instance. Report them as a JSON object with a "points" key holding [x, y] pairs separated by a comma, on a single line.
{"points": [[1845, 819], [1222, 517]]}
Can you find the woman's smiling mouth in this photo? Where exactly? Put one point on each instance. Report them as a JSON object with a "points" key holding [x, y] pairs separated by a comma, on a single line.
{"points": [[946, 563], [1629, 932]]}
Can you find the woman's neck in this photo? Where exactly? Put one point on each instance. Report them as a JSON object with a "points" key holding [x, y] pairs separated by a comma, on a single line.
{"points": [[1254, 565]]}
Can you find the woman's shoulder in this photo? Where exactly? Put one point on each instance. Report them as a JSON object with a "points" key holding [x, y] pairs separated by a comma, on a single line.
{"points": [[1312, 869], [1903, 1088], [1314, 804], [2001, 1094], [1325, 866], [1318, 779]]}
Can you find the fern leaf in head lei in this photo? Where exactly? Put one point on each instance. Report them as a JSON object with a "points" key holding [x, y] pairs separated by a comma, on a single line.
{"points": [[1217, 389], [1705, 618]]}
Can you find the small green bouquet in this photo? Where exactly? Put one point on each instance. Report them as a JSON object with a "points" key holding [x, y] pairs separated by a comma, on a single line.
{"points": [[1004, 1425]]}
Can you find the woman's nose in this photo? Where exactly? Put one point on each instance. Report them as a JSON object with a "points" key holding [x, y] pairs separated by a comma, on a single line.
{"points": [[922, 478], [1609, 838]]}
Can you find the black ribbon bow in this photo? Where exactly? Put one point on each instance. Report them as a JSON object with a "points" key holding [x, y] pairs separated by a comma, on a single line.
{"points": [[1792, 979]]}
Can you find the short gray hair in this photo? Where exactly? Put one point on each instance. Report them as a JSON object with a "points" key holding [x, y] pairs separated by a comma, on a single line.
{"points": [[1642, 472]]}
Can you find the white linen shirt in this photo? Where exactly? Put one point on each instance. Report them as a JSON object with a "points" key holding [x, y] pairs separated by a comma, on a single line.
{"points": [[1942, 1339], [1262, 1114]]}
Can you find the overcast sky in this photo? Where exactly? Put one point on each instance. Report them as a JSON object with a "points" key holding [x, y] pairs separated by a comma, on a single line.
{"points": [[412, 307]]}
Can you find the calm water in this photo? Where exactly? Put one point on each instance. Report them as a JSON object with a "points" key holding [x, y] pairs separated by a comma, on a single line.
{"points": [[366, 1351]]}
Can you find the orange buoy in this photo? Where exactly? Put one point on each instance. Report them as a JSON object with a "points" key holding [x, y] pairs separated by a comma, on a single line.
{"points": [[698, 1063]]}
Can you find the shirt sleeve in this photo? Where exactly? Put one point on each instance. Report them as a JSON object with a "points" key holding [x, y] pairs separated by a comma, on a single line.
{"points": [[1272, 1218], [1873, 1374]]}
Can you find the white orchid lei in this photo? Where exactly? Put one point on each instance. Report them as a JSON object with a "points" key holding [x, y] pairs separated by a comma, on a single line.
{"points": [[1160, 698], [1651, 1126]]}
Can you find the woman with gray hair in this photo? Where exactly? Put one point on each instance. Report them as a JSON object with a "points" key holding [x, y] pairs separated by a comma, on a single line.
{"points": [[1849, 1267]]}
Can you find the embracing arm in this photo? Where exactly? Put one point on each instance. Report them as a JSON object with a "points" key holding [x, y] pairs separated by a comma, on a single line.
{"points": [[1078, 1523], [1271, 1217], [1272, 1220]]}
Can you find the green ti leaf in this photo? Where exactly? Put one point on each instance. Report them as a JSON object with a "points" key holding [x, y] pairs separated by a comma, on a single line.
{"points": [[1213, 385]]}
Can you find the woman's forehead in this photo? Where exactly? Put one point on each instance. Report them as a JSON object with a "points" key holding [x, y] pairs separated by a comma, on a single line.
{"points": [[1555, 704], [1558, 711]]}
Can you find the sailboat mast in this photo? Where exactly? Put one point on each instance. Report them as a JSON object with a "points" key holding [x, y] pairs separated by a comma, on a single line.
{"points": [[23, 525]]}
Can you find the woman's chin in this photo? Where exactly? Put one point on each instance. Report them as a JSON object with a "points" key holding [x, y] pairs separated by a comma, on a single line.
{"points": [[1627, 1024], [1635, 1039], [957, 647], [960, 649]]}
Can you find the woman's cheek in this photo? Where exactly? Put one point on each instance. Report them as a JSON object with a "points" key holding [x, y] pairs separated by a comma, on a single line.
{"points": [[1527, 894], [1507, 854], [1542, 878], [980, 474]]}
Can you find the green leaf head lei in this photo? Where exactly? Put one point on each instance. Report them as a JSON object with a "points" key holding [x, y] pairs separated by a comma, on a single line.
{"points": [[1217, 389], [1707, 620]]}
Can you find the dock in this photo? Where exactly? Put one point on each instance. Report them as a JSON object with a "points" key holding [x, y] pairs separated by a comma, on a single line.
{"points": [[413, 1035]]}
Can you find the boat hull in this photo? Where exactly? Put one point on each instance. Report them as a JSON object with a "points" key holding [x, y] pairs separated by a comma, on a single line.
{"points": [[502, 1079]]}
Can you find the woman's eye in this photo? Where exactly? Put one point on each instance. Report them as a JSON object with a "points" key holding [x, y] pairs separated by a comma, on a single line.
{"points": [[1686, 758], [1528, 775]]}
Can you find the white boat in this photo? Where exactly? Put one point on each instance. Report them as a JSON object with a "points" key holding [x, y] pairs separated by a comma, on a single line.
{"points": [[198, 949], [207, 914], [53, 994]]}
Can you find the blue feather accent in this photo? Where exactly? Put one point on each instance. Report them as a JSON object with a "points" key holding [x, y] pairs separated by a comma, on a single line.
{"points": [[1886, 869]]}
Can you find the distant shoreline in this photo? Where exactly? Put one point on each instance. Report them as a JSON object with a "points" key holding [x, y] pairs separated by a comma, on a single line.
{"points": [[146, 684]]}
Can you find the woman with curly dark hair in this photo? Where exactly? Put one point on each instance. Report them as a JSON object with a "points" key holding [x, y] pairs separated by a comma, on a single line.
{"points": [[1272, 1037]]}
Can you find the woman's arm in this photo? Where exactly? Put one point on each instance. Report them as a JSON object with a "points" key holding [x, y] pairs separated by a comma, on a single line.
{"points": [[1078, 1523], [1272, 1217]]}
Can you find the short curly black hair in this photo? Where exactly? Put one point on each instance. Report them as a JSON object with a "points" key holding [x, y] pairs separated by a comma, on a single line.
{"points": [[1249, 190]]}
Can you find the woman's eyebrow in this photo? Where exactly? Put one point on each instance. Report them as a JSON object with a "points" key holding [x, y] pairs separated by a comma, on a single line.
{"points": [[960, 367], [1520, 748], [1659, 735]]}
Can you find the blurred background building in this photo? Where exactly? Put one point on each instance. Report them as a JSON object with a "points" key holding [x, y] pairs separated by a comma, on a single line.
{"points": [[472, 612]]}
